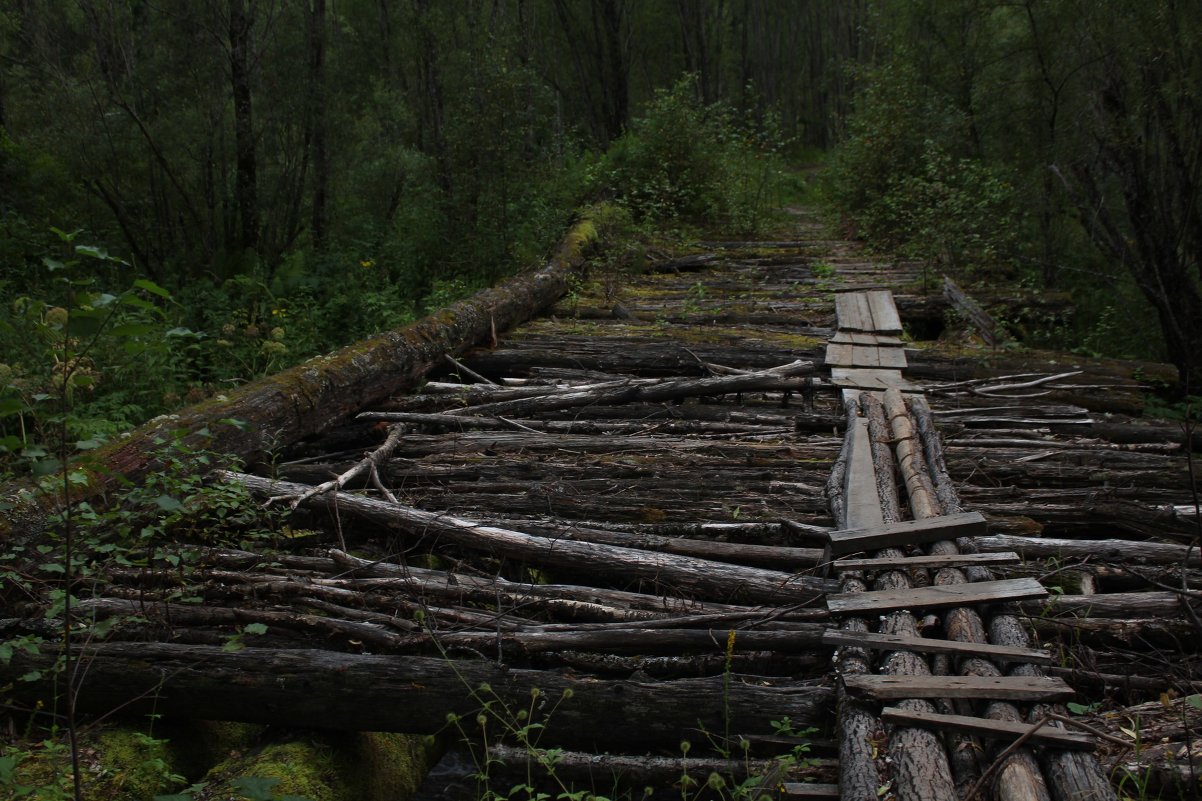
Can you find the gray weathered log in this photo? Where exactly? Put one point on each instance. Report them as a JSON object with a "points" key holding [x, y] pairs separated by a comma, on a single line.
{"points": [[685, 574]]}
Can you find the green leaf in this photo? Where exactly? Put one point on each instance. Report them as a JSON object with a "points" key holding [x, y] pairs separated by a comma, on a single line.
{"points": [[1194, 700], [53, 265], [168, 504], [45, 467], [151, 287], [32, 675], [255, 628], [10, 406], [89, 444], [183, 333]]}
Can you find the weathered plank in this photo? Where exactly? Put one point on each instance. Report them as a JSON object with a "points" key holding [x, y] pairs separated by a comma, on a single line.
{"points": [[852, 312], [989, 729], [1003, 688], [938, 597], [980, 319], [863, 500], [871, 378], [866, 338], [932, 562], [868, 356], [885, 319], [909, 532], [930, 645]]}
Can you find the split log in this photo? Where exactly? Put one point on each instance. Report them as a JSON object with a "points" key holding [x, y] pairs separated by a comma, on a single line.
{"points": [[685, 574], [407, 694], [283, 408], [980, 319]]}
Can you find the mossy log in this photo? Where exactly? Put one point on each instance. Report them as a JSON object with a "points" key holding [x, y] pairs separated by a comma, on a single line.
{"points": [[357, 692], [283, 408]]}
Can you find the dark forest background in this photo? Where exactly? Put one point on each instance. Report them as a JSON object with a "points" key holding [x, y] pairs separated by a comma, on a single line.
{"points": [[194, 194]]}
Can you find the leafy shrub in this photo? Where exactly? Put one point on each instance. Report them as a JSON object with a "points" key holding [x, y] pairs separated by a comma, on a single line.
{"points": [[683, 162]]}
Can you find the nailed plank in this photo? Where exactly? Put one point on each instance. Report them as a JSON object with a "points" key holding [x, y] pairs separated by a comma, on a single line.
{"points": [[932, 562], [930, 645], [1003, 688], [943, 596], [866, 338], [909, 532], [860, 492], [852, 312], [871, 378], [807, 790], [868, 356], [885, 319], [989, 729]]}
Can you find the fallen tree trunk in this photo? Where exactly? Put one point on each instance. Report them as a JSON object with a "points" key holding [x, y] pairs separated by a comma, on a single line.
{"points": [[408, 694], [281, 409], [686, 574]]}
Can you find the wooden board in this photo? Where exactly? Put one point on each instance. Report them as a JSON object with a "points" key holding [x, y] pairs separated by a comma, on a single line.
{"points": [[930, 645], [871, 378], [866, 338], [941, 597], [909, 532], [931, 562], [853, 312], [862, 500], [1002, 688], [865, 356], [989, 729], [807, 790], [885, 319]]}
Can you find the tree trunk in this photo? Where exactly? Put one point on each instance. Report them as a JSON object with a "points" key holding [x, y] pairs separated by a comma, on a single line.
{"points": [[283, 408], [409, 694], [246, 181], [317, 116]]}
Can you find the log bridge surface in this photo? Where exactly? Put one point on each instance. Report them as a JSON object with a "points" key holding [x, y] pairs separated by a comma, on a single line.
{"points": [[721, 501]]}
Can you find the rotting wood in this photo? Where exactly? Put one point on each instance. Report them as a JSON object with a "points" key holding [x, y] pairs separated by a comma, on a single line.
{"points": [[409, 694], [1110, 550], [283, 408], [907, 532], [980, 320], [1006, 688], [937, 597], [853, 312], [871, 379], [863, 338], [989, 729], [687, 574]]}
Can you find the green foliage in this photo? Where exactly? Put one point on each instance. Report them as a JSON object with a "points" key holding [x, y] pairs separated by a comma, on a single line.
{"points": [[684, 162]]}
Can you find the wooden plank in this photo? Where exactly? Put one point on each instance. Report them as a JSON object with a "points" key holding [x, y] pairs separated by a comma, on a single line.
{"points": [[930, 645], [866, 338], [868, 378], [861, 498], [807, 790], [892, 357], [885, 319], [909, 532], [933, 562], [940, 597], [990, 729], [852, 312], [839, 355], [1002, 688]]}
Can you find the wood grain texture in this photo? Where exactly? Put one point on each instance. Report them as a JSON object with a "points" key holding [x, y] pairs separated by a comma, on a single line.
{"points": [[989, 729], [939, 597], [1006, 688], [897, 642], [909, 532]]}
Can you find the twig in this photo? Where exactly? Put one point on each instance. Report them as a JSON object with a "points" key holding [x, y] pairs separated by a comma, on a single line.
{"points": [[369, 463], [1001, 758], [469, 372]]}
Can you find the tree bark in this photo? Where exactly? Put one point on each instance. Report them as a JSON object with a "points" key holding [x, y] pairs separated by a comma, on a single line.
{"points": [[408, 694], [241, 20], [281, 409], [684, 574]]}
